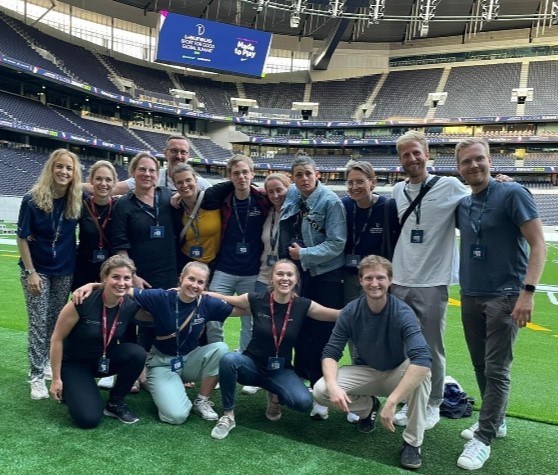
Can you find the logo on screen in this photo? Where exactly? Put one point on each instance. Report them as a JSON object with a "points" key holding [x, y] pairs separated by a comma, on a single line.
{"points": [[201, 29]]}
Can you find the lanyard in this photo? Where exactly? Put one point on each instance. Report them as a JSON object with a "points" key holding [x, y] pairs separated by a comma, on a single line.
{"points": [[273, 236], [244, 228], [57, 228], [179, 328], [356, 240], [107, 338], [143, 207], [476, 227], [97, 217], [416, 211], [278, 341]]}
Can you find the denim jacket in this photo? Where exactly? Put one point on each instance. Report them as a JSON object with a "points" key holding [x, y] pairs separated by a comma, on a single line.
{"points": [[324, 229]]}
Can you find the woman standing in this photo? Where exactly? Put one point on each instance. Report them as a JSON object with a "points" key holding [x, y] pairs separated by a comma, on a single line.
{"points": [[95, 224], [84, 347], [278, 315], [371, 228], [313, 222], [200, 237], [276, 186], [47, 245]]}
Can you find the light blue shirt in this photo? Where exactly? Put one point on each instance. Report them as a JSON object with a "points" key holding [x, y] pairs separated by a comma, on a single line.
{"points": [[324, 230]]}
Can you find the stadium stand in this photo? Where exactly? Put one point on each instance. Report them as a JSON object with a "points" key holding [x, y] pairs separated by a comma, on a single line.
{"points": [[404, 94], [215, 95], [479, 91], [276, 95], [339, 100], [542, 78]]}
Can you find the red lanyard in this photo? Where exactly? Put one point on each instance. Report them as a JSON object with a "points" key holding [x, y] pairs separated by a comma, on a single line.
{"points": [[107, 338], [96, 218], [278, 341]]}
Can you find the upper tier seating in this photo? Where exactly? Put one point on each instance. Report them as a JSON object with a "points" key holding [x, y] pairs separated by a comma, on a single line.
{"points": [[479, 91], [404, 94], [543, 79]]}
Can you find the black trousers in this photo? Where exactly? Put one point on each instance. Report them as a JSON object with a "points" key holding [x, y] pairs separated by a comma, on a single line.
{"points": [[80, 391], [327, 290]]}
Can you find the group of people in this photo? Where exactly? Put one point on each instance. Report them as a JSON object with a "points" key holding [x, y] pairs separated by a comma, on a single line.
{"points": [[273, 257]]}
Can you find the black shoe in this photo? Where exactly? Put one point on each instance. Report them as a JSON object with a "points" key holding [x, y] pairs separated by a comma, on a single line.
{"points": [[410, 456], [121, 412], [368, 424]]}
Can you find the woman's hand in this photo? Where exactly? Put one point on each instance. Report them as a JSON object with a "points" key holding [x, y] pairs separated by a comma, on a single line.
{"points": [[56, 389], [34, 284], [81, 293]]}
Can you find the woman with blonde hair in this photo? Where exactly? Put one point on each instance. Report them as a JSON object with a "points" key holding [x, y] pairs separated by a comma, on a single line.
{"points": [[47, 245], [95, 224]]}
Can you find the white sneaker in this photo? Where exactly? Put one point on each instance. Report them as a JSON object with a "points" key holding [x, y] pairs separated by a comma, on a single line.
{"points": [[202, 407], [250, 389], [432, 417], [224, 425], [468, 434], [38, 389], [474, 455], [106, 383], [400, 418], [352, 418], [48, 371], [319, 412]]}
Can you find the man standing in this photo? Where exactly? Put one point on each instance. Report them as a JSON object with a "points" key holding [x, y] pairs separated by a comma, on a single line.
{"points": [[498, 276], [177, 150], [425, 256], [393, 360], [238, 262]]}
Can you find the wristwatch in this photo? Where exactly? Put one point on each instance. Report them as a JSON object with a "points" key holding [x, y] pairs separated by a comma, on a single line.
{"points": [[29, 271], [529, 288]]}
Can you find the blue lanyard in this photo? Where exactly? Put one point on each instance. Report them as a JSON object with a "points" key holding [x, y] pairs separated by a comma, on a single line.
{"points": [[476, 227], [356, 240], [58, 227], [143, 207], [176, 316], [244, 228]]}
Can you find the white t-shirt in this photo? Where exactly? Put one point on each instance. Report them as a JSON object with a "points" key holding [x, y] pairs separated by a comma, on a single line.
{"points": [[434, 261]]}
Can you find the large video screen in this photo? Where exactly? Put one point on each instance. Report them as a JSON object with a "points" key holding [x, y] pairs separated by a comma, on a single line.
{"points": [[205, 44]]}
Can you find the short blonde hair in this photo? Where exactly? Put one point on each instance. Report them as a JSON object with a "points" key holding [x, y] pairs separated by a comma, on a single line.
{"points": [[134, 162], [114, 262], [100, 164], [411, 136], [375, 261], [468, 142]]}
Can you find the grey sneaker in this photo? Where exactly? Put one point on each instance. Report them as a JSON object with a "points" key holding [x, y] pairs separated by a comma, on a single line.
{"points": [[410, 456], [38, 389], [273, 410], [121, 412], [469, 433], [224, 425], [203, 409]]}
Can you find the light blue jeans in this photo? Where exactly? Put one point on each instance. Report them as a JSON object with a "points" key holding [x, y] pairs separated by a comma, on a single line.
{"points": [[167, 386], [228, 284]]}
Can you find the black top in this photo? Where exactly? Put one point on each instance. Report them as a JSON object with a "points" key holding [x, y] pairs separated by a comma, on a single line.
{"points": [[155, 258], [261, 346], [85, 341], [89, 233]]}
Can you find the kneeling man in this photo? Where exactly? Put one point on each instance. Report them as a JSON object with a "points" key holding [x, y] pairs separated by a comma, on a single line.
{"points": [[393, 360]]}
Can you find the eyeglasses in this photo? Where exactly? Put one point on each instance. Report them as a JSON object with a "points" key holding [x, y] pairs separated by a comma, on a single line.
{"points": [[177, 151], [351, 183]]}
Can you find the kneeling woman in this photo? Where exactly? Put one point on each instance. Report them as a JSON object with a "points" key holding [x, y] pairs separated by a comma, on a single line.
{"points": [[84, 347], [175, 358], [277, 318]]}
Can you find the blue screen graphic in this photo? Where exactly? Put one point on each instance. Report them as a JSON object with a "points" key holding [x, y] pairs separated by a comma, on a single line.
{"points": [[205, 44]]}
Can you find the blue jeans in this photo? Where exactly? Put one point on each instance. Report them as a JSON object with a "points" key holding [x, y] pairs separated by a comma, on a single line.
{"points": [[490, 332], [228, 284], [238, 368]]}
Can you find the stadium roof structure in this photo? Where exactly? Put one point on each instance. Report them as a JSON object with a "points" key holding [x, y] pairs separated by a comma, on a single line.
{"points": [[374, 21], [371, 21]]}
